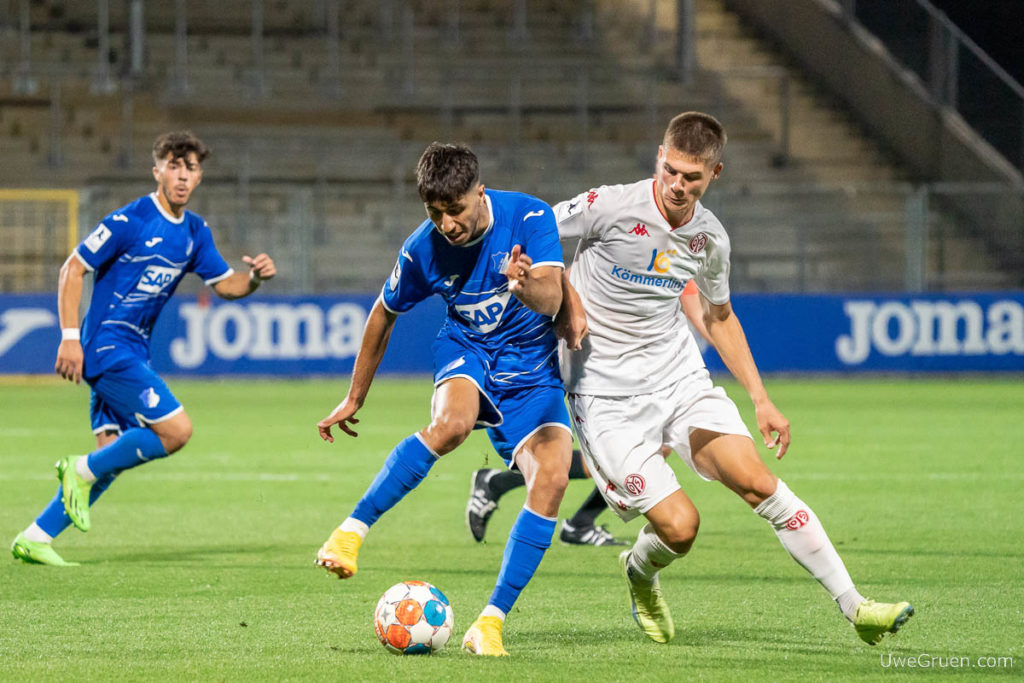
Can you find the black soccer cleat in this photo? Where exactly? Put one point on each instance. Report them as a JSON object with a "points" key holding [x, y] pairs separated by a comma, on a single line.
{"points": [[481, 504], [587, 535]]}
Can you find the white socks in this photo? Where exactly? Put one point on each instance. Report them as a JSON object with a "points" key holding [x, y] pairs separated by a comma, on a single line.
{"points": [[353, 524], [82, 468], [492, 611], [802, 535], [649, 555], [35, 534]]}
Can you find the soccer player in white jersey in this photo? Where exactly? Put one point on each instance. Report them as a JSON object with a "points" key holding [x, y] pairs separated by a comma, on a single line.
{"points": [[138, 255], [639, 380]]}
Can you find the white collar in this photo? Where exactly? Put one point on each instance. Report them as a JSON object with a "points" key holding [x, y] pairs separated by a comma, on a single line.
{"points": [[163, 211]]}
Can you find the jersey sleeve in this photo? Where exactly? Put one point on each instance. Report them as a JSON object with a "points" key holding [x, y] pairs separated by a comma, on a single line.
{"points": [[713, 278], [207, 262], [541, 236], [407, 286], [587, 214], [104, 244]]}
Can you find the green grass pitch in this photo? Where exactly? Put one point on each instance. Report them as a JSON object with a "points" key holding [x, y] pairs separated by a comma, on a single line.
{"points": [[200, 566]]}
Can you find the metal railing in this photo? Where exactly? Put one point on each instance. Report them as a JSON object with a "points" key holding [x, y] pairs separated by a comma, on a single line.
{"points": [[955, 70]]}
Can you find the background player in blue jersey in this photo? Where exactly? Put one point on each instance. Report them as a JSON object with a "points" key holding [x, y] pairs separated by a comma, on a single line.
{"points": [[138, 255], [495, 258]]}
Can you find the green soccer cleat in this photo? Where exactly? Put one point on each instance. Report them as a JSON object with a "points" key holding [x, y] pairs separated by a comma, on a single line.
{"points": [[650, 611], [874, 619], [34, 552], [75, 492]]}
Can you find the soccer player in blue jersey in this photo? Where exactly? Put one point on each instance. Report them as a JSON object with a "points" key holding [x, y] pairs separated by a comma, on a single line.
{"points": [[495, 258], [138, 254]]}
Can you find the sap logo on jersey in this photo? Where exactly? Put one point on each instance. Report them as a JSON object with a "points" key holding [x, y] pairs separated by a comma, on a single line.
{"points": [[485, 315], [155, 278], [931, 328]]}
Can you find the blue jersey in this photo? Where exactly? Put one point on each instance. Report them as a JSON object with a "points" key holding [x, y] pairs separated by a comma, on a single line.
{"points": [[518, 343], [139, 254]]}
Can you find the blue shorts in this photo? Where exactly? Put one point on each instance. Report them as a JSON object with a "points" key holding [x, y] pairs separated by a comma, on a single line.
{"points": [[511, 414], [128, 393]]}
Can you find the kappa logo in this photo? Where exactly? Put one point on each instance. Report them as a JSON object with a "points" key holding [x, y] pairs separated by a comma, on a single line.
{"points": [[635, 484], [698, 242], [591, 197], [799, 519], [640, 230]]}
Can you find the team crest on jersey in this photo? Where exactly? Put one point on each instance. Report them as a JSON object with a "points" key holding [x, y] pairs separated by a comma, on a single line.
{"points": [[500, 261], [635, 484], [484, 316], [698, 242], [155, 278]]}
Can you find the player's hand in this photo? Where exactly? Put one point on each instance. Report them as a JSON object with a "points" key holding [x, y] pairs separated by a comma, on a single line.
{"points": [[260, 268], [769, 420], [571, 325], [342, 417], [70, 359], [518, 270]]}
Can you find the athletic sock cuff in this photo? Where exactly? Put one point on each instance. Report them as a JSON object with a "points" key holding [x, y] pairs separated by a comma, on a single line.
{"points": [[778, 507], [533, 529]]}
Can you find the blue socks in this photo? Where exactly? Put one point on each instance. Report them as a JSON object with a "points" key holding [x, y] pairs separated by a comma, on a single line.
{"points": [[404, 469], [132, 448], [53, 520], [530, 537]]}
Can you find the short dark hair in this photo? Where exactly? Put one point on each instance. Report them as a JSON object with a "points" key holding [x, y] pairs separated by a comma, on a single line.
{"points": [[179, 144], [698, 135], [446, 172]]}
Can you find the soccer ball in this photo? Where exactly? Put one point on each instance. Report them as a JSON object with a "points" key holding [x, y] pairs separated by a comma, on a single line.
{"points": [[413, 618]]}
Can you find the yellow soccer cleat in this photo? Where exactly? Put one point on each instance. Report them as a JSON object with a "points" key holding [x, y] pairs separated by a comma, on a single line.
{"points": [[875, 619], [338, 555], [650, 611], [484, 638]]}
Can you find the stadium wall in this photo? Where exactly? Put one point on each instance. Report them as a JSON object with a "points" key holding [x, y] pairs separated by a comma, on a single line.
{"points": [[301, 335]]}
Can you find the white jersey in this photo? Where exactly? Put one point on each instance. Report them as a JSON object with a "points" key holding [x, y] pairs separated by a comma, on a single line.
{"points": [[630, 269]]}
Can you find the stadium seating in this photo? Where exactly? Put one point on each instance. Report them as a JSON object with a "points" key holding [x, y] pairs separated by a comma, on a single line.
{"points": [[313, 154]]}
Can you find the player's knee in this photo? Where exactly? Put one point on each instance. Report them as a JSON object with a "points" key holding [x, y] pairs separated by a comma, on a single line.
{"points": [[174, 437], [680, 534], [449, 431], [759, 488]]}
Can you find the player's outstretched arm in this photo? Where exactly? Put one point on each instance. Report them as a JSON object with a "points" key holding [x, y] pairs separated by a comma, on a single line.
{"points": [[243, 284], [376, 334], [571, 321], [540, 290], [70, 357], [727, 336]]}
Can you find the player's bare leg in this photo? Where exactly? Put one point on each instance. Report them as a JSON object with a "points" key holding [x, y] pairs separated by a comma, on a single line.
{"points": [[544, 460], [733, 460], [454, 410]]}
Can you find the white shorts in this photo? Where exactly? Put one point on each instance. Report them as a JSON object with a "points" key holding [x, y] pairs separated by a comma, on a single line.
{"points": [[621, 438]]}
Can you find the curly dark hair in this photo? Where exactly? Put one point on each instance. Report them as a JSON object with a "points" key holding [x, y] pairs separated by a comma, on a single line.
{"points": [[179, 144], [446, 172]]}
